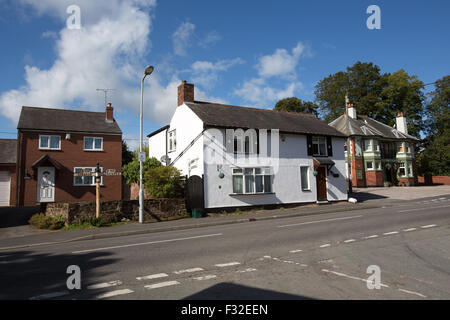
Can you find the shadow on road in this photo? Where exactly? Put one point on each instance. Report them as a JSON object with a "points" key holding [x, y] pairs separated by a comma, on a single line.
{"points": [[14, 217], [232, 291], [24, 274], [364, 196]]}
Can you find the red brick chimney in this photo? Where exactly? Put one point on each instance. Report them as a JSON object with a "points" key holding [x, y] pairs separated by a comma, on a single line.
{"points": [[109, 111], [185, 92]]}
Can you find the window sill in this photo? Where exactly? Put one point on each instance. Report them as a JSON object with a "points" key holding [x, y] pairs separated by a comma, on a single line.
{"points": [[250, 194], [93, 150], [86, 185], [309, 190], [50, 149]]}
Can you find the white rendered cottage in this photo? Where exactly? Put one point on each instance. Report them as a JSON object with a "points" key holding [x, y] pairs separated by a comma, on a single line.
{"points": [[250, 157]]}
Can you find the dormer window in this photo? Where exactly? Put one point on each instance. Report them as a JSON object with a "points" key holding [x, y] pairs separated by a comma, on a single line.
{"points": [[48, 142]]}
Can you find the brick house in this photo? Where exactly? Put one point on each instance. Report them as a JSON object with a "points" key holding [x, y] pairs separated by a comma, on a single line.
{"points": [[56, 143], [8, 155], [377, 153]]}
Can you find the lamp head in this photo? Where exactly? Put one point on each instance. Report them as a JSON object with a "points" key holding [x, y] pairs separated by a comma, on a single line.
{"points": [[149, 70]]}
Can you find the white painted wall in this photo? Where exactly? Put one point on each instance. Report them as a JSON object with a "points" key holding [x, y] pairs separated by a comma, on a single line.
{"points": [[286, 180], [157, 145]]}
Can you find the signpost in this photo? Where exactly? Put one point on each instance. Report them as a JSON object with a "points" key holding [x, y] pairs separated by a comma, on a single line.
{"points": [[97, 174]]}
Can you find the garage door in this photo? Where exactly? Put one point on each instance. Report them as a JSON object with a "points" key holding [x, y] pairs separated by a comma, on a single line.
{"points": [[5, 185]]}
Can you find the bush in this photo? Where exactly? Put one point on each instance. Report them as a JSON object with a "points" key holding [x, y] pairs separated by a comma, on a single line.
{"points": [[41, 221], [164, 182], [131, 170]]}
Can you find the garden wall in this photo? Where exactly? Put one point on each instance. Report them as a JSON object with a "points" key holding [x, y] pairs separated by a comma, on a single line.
{"points": [[435, 180], [154, 210]]}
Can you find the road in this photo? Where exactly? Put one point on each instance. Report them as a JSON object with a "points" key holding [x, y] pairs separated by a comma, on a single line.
{"points": [[322, 256]]}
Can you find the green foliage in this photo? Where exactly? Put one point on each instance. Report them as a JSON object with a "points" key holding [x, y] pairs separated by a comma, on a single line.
{"points": [[41, 221], [296, 105], [130, 171], [127, 155], [380, 96], [164, 182]]}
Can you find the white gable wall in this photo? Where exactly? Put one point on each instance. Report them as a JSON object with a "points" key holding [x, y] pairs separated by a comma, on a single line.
{"points": [[157, 145]]}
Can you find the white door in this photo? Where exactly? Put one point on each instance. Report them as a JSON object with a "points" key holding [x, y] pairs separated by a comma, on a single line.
{"points": [[5, 185], [46, 184]]}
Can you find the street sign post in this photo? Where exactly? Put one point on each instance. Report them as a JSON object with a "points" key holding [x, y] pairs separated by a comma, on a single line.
{"points": [[97, 174]]}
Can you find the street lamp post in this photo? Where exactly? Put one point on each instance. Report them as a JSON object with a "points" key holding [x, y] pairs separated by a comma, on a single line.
{"points": [[148, 71]]}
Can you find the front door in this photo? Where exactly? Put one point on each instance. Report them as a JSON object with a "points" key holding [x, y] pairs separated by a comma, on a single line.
{"points": [[321, 182], [46, 184]]}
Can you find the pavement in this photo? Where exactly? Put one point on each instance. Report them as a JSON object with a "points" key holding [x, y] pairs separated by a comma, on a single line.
{"points": [[324, 256], [22, 236]]}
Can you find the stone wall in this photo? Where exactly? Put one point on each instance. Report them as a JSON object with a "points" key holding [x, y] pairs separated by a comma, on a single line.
{"points": [[154, 210]]}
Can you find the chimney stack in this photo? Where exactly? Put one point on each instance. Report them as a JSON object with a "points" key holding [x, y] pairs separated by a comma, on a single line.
{"points": [[351, 111], [185, 92], [109, 111], [400, 122]]}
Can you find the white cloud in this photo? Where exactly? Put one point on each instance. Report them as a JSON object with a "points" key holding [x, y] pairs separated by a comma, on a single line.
{"points": [[258, 92], [206, 73], [181, 38], [281, 62], [105, 53], [49, 34], [211, 38]]}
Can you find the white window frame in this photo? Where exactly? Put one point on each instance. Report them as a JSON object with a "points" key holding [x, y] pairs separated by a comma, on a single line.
{"points": [[316, 140], [409, 168], [93, 178], [93, 144], [378, 165], [367, 166], [308, 187], [402, 165], [368, 145], [254, 174], [48, 145], [172, 140]]}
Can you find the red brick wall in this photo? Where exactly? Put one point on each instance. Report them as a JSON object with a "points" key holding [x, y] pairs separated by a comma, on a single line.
{"points": [[12, 172], [437, 179], [374, 178], [358, 164], [71, 155]]}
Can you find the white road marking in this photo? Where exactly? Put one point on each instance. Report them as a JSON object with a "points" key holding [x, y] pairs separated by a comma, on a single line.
{"points": [[114, 293], [188, 270], [428, 226], [389, 233], [207, 277], [105, 284], [419, 209], [371, 237], [442, 199], [410, 229], [151, 242], [295, 251], [412, 292], [246, 270], [161, 284], [153, 276], [227, 264], [325, 245], [318, 221], [268, 257], [352, 277], [349, 240], [50, 295]]}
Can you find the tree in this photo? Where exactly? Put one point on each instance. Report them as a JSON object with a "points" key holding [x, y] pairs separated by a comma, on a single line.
{"points": [[379, 96], [296, 105], [164, 182], [131, 170], [435, 157], [127, 155]]}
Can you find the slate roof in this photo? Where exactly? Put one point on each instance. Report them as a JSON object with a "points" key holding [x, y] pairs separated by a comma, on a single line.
{"points": [[8, 151], [33, 118], [365, 126], [226, 116]]}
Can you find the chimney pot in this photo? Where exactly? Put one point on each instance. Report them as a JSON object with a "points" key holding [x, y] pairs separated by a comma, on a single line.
{"points": [[185, 92]]}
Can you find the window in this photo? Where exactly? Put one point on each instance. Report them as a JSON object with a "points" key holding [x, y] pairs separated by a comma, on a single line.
{"points": [[369, 165], [400, 147], [410, 171], [304, 178], [376, 145], [378, 165], [319, 146], [408, 148], [49, 142], [252, 180], [358, 147], [401, 169], [85, 180], [359, 174], [93, 144], [172, 140], [367, 145]]}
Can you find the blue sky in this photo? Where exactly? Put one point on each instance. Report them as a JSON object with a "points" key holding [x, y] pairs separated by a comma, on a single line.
{"points": [[249, 53]]}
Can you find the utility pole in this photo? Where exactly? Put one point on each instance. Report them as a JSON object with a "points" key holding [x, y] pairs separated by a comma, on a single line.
{"points": [[97, 190], [106, 93]]}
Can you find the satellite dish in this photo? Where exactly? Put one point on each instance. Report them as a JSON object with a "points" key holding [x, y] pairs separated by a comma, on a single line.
{"points": [[165, 159]]}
